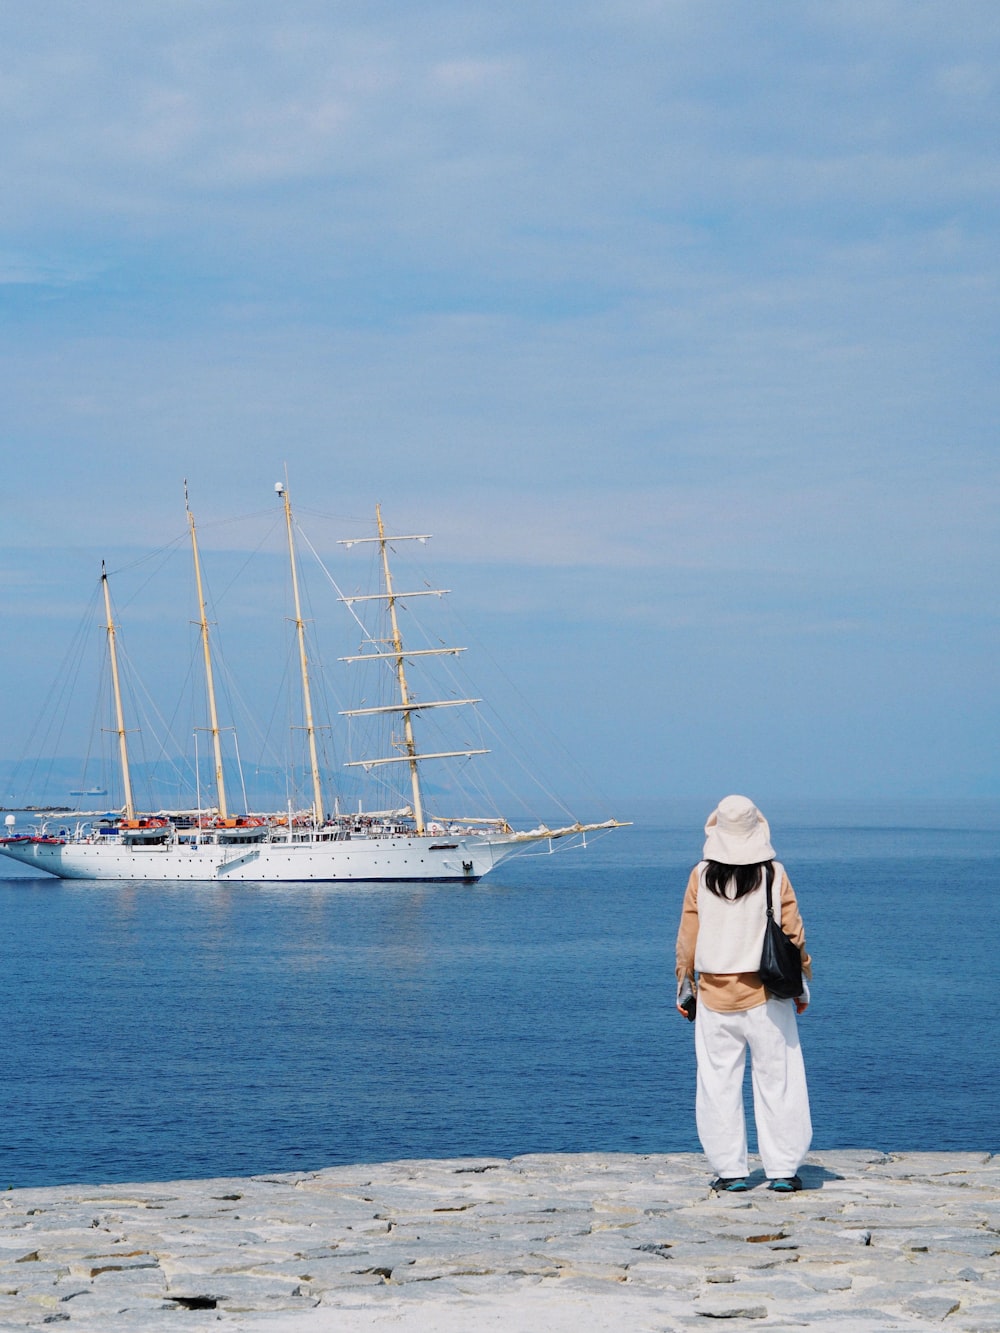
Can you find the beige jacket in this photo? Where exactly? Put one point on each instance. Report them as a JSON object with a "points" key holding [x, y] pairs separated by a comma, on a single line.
{"points": [[726, 992]]}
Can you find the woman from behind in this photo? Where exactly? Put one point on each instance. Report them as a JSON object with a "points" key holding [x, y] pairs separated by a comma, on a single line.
{"points": [[718, 957]]}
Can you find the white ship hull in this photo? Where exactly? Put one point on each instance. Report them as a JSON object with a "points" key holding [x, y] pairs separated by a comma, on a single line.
{"points": [[375, 859], [399, 858]]}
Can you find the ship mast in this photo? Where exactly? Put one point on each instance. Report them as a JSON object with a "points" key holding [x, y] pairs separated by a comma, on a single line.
{"points": [[119, 712], [213, 716], [300, 628], [404, 693], [407, 705]]}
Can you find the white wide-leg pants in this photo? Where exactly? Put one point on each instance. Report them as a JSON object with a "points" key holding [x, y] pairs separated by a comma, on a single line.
{"points": [[780, 1096]]}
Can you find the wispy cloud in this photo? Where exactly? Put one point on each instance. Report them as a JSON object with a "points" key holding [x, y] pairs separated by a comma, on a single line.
{"points": [[23, 269]]}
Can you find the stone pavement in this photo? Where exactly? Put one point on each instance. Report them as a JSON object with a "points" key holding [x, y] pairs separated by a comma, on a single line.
{"points": [[559, 1244]]}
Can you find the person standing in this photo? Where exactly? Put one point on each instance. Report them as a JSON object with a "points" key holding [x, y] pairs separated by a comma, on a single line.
{"points": [[719, 946]]}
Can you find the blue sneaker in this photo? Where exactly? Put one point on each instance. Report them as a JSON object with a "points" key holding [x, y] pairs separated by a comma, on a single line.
{"points": [[785, 1185], [729, 1185]]}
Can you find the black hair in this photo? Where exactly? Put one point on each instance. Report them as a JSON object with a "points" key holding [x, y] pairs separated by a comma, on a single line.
{"points": [[748, 878]]}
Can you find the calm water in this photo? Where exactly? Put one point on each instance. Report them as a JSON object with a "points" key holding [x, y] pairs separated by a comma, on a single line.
{"points": [[154, 1031]]}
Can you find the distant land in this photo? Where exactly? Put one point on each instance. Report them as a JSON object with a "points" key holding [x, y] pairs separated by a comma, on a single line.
{"points": [[68, 783]]}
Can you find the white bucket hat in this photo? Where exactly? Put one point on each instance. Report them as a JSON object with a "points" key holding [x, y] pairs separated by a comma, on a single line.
{"points": [[737, 834]]}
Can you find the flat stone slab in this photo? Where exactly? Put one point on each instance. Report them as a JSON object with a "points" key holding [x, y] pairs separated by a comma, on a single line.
{"points": [[577, 1243]]}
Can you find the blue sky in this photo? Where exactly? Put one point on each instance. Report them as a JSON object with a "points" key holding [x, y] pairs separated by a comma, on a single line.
{"points": [[674, 321]]}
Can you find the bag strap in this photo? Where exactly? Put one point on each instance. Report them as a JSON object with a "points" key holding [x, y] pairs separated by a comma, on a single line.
{"points": [[769, 880]]}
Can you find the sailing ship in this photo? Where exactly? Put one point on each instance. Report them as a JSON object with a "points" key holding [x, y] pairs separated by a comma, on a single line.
{"points": [[311, 845]]}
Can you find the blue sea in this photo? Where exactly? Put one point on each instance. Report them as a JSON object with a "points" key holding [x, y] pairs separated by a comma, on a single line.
{"points": [[161, 1031]]}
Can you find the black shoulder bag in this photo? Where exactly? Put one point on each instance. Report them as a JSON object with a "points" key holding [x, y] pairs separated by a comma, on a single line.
{"points": [[780, 959]]}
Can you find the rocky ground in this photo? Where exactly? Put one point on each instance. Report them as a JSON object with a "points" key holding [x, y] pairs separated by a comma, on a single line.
{"points": [[558, 1244]]}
